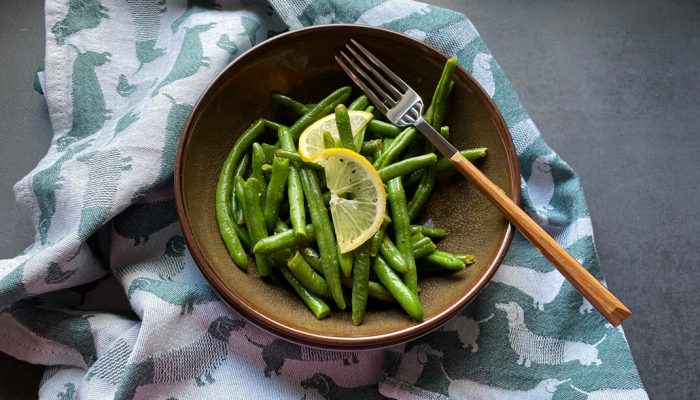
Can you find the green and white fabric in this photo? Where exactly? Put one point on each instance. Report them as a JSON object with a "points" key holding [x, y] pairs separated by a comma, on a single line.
{"points": [[109, 299]]}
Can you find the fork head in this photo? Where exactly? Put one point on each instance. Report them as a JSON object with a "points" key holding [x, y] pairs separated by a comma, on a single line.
{"points": [[389, 93]]}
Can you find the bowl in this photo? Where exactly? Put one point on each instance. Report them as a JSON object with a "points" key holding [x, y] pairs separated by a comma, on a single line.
{"points": [[301, 63]]}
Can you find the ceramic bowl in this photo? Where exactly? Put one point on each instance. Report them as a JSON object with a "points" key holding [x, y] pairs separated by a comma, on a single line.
{"points": [[301, 63]]}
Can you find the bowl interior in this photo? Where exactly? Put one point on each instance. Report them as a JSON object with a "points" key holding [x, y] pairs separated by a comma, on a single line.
{"points": [[301, 63]]}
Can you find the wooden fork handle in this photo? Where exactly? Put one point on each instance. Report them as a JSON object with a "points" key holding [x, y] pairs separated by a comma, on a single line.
{"points": [[598, 295]]}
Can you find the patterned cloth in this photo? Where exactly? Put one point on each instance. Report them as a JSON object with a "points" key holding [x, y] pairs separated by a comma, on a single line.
{"points": [[109, 299]]}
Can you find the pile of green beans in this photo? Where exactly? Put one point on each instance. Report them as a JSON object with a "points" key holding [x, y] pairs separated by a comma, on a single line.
{"points": [[273, 206]]}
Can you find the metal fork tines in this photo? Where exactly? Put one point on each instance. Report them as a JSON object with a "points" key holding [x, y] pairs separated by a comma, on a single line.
{"points": [[389, 93]]}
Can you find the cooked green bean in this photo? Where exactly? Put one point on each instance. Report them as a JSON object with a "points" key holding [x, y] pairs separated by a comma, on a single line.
{"points": [[323, 108], [269, 151], [224, 188], [402, 230], [275, 191], [315, 303], [257, 170], [435, 118], [255, 221], [376, 241], [422, 193], [370, 109], [445, 131], [429, 231], [290, 104], [295, 157], [237, 211], [307, 276], [328, 141], [405, 167], [325, 236], [472, 154], [342, 122], [392, 255], [244, 237], [359, 103], [406, 297], [423, 247], [445, 260], [360, 283], [345, 260], [295, 193], [313, 258], [284, 240], [381, 128], [370, 147], [271, 126], [375, 290], [444, 163]]}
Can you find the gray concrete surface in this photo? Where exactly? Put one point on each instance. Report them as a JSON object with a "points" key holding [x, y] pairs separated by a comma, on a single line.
{"points": [[613, 87]]}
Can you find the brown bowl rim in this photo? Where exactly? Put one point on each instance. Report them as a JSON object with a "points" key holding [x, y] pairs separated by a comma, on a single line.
{"points": [[250, 312]]}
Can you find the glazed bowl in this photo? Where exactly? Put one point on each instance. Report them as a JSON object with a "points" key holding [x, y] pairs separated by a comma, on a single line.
{"points": [[301, 63]]}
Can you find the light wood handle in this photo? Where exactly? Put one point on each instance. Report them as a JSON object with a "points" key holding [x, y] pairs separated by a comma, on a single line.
{"points": [[598, 295]]}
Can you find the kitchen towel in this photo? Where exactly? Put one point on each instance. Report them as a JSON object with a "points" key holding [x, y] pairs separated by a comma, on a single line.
{"points": [[110, 301]]}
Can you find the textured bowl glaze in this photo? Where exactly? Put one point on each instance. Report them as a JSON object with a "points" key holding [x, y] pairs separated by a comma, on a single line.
{"points": [[301, 63]]}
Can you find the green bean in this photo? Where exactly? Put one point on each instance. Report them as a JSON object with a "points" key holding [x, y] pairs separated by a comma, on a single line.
{"points": [[422, 193], [445, 131], [381, 128], [435, 118], [370, 147], [328, 141], [402, 230], [442, 91], [255, 221], [359, 103], [284, 240], [267, 168], [224, 187], [315, 303], [345, 260], [269, 151], [406, 166], [256, 168], [376, 241], [295, 193], [271, 126], [472, 154], [370, 109], [444, 163], [307, 276], [360, 284], [244, 237], [323, 108], [392, 255], [446, 260], [375, 290], [235, 208], [275, 191], [406, 297], [422, 247], [429, 231], [289, 103], [312, 258], [324, 234], [295, 157], [342, 122], [327, 198]]}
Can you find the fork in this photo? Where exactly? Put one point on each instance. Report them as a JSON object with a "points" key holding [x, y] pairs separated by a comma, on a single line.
{"points": [[404, 107]]}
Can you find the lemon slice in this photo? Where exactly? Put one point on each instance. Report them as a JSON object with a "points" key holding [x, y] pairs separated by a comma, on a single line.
{"points": [[358, 199], [311, 140]]}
